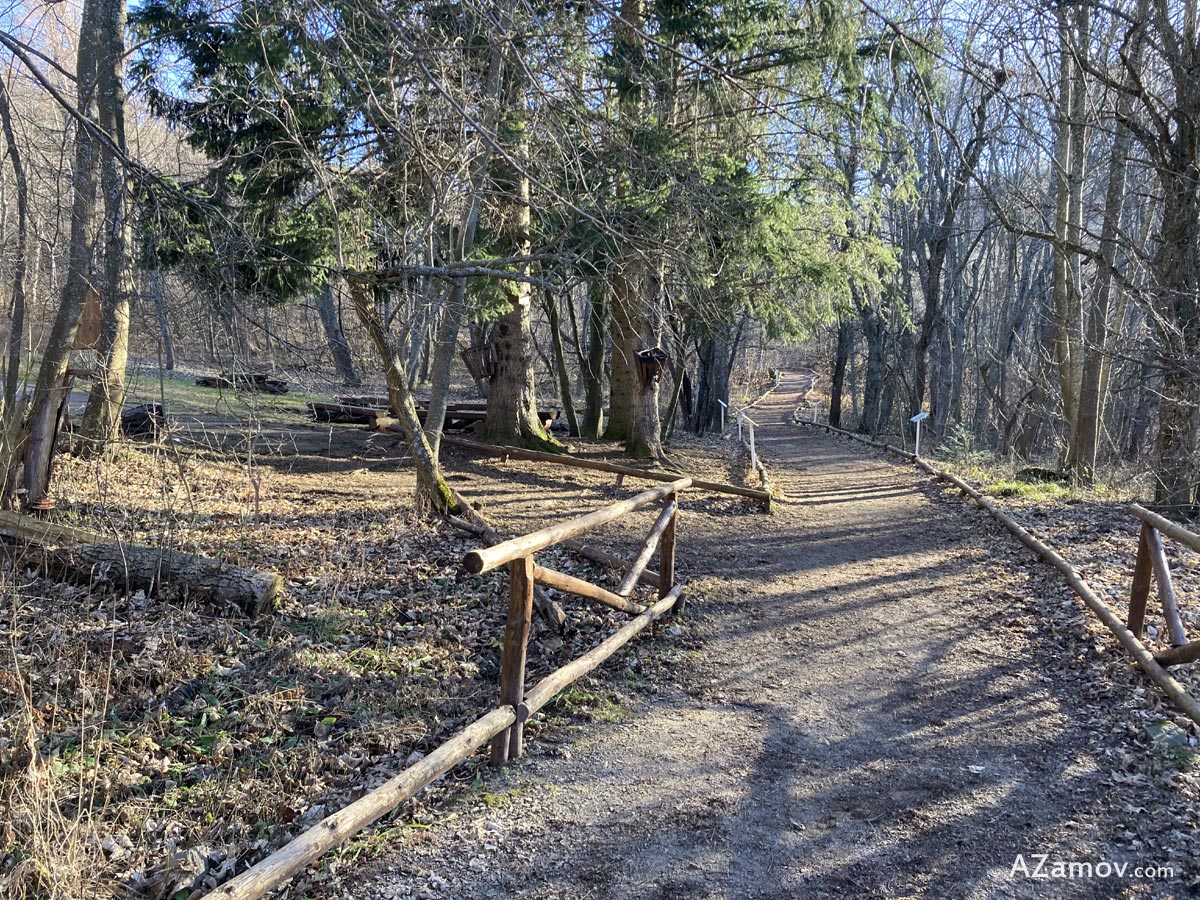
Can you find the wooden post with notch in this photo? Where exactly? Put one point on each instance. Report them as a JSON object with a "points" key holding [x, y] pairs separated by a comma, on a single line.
{"points": [[666, 559], [1143, 570], [508, 743]]}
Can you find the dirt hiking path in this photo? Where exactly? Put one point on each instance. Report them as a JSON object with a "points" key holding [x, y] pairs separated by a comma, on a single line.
{"points": [[869, 717]]}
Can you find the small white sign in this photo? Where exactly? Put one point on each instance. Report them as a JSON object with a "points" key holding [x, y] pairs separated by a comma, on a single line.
{"points": [[919, 417]]}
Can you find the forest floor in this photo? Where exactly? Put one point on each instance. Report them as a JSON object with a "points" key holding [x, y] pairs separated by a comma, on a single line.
{"points": [[891, 699], [874, 691]]}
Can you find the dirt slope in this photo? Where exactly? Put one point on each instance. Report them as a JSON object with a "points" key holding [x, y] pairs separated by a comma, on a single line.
{"points": [[875, 714]]}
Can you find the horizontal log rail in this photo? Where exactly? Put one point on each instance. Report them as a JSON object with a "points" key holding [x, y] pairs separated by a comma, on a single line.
{"points": [[560, 459], [1173, 530], [504, 725], [1151, 665], [334, 830], [561, 581], [485, 560]]}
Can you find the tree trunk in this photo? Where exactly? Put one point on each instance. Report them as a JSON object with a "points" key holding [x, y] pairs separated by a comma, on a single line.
{"points": [[875, 333], [42, 425], [845, 341], [938, 243], [1096, 347], [339, 347], [102, 418], [160, 312], [12, 375], [625, 343], [1070, 160], [560, 362], [593, 369]]}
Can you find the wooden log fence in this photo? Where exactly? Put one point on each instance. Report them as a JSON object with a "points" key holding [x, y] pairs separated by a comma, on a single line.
{"points": [[1153, 666], [503, 726], [1152, 560], [518, 555], [559, 459]]}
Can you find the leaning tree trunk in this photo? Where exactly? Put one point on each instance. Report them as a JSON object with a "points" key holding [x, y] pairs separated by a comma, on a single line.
{"points": [[432, 490], [41, 428]]}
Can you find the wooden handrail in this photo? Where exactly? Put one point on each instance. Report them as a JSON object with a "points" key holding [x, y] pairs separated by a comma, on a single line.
{"points": [[489, 558], [1171, 529], [543, 692], [1148, 662], [338, 827]]}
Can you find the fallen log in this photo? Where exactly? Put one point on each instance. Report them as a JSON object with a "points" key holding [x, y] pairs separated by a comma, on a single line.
{"points": [[83, 557], [763, 497], [344, 414], [253, 381]]}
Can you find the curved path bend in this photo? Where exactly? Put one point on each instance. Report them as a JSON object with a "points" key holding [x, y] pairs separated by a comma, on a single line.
{"points": [[873, 715]]}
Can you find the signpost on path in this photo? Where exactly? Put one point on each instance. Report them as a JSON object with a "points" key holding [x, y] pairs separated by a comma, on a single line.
{"points": [[918, 419]]}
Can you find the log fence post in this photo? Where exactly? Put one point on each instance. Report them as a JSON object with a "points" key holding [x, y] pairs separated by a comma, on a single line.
{"points": [[1140, 592], [508, 744]]}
